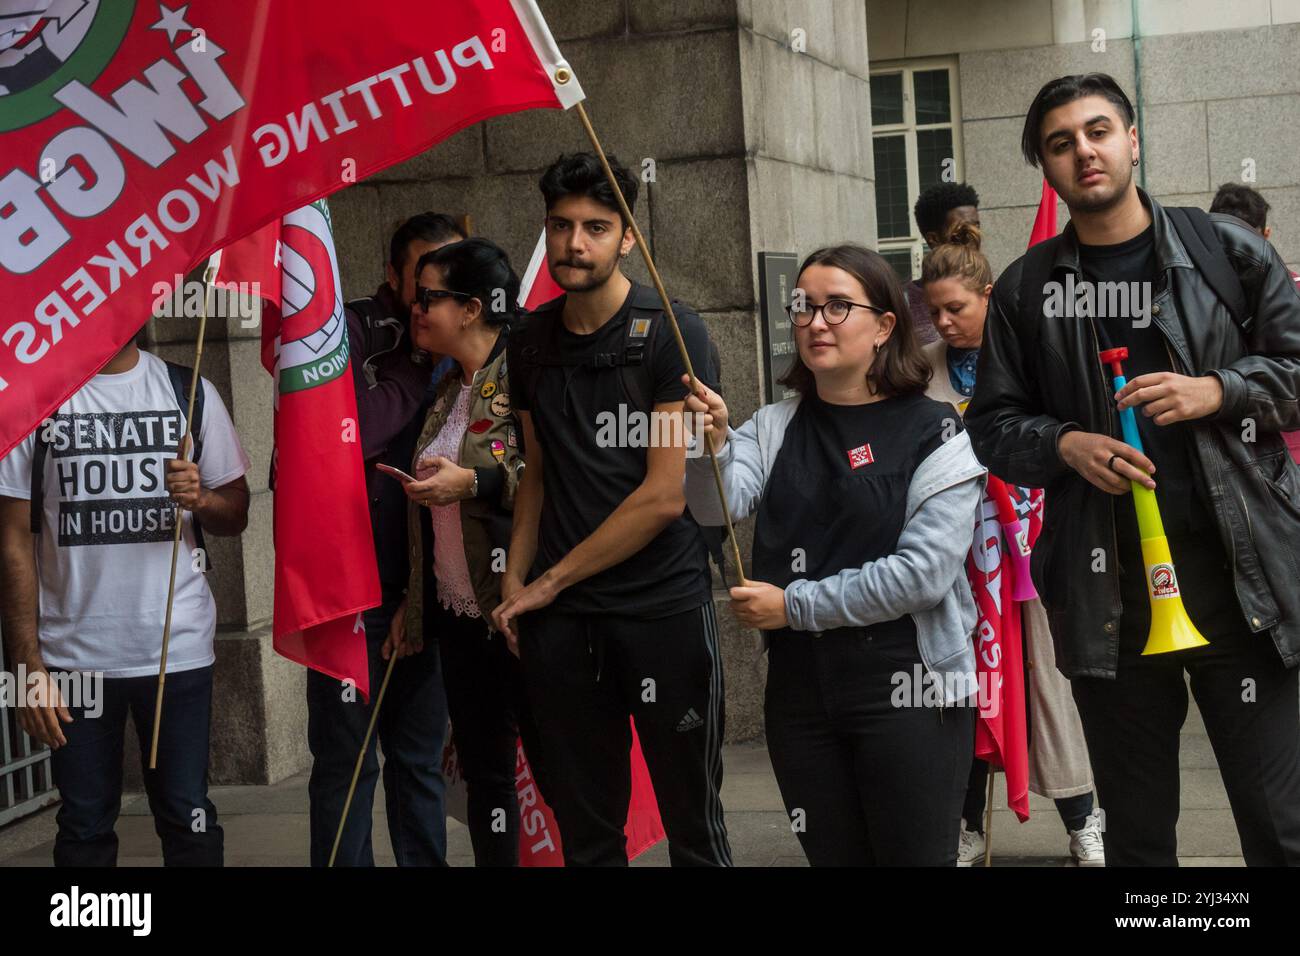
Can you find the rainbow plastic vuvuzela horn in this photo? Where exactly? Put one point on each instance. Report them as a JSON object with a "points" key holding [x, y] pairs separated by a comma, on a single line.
{"points": [[1171, 628]]}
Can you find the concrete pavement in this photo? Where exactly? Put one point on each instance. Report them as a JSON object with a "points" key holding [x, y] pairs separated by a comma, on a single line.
{"points": [[267, 826]]}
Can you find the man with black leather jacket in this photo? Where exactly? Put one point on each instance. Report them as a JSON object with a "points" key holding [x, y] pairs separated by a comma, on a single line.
{"points": [[1213, 333], [393, 381]]}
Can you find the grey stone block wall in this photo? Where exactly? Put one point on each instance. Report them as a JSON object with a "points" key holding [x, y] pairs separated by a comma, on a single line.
{"points": [[1210, 100]]}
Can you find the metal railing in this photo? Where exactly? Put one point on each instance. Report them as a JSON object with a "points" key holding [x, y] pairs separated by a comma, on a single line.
{"points": [[26, 781]]}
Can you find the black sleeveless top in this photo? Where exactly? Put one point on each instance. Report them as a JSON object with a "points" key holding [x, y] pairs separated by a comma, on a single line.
{"points": [[837, 495]]}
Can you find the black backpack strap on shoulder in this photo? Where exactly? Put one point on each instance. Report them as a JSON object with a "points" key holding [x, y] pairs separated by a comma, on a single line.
{"points": [[40, 449], [644, 321], [1196, 231], [373, 321], [535, 336], [180, 377], [1035, 273]]}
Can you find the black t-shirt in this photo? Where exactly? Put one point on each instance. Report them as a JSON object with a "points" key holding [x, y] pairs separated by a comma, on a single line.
{"points": [[837, 495], [1199, 558], [574, 410]]}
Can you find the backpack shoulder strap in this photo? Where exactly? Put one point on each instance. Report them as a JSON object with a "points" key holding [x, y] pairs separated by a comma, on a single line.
{"points": [[534, 335], [1196, 232], [373, 318], [1035, 273], [180, 377], [40, 449], [645, 323]]}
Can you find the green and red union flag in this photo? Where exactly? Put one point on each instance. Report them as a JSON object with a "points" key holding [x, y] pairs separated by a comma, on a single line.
{"points": [[325, 573]]}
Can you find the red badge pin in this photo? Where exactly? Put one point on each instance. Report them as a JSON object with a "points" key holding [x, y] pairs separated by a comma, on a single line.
{"points": [[480, 426], [860, 456]]}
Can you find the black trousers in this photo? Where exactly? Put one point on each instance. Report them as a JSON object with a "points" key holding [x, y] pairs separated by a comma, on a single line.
{"points": [[584, 676], [489, 714], [866, 783], [1249, 703]]}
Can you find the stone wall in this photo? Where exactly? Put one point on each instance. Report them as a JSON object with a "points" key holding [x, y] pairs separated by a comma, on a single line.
{"points": [[1219, 84]]}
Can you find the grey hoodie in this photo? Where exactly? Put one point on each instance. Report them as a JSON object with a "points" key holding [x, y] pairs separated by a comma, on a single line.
{"points": [[925, 575]]}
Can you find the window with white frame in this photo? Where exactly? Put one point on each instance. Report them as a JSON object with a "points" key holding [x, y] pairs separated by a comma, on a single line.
{"points": [[914, 109]]}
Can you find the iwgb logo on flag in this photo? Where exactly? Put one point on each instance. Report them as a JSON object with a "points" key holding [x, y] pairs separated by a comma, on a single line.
{"points": [[137, 137], [311, 346]]}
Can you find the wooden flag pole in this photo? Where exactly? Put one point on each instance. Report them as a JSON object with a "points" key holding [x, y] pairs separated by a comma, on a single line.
{"points": [[672, 321], [365, 745], [186, 446], [988, 819]]}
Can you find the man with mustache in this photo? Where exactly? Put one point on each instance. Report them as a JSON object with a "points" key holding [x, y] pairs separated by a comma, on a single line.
{"points": [[1213, 374], [607, 596]]}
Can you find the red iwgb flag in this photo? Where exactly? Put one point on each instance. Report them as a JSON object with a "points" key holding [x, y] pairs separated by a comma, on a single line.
{"points": [[325, 573], [137, 137], [1001, 734]]}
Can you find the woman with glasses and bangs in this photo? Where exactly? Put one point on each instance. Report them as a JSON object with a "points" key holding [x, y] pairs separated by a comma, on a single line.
{"points": [[864, 492], [467, 465]]}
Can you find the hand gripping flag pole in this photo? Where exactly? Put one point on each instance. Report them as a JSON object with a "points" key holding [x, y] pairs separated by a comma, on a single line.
{"points": [[187, 444], [562, 77]]}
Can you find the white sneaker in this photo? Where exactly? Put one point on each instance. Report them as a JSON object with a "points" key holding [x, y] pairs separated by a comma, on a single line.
{"points": [[1086, 845], [970, 847]]}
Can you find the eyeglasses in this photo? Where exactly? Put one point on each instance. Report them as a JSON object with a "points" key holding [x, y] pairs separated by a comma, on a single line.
{"points": [[426, 297], [834, 311]]}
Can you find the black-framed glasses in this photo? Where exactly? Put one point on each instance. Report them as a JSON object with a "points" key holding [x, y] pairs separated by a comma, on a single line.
{"points": [[426, 297], [834, 311]]}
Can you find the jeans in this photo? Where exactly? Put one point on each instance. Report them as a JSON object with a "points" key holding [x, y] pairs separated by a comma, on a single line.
{"points": [[88, 772], [412, 728]]}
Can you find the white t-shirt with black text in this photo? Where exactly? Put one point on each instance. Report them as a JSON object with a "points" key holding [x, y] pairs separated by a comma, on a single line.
{"points": [[106, 535]]}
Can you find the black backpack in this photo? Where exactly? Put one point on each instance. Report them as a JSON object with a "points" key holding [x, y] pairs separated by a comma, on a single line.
{"points": [[537, 349], [644, 321], [1195, 229], [180, 377]]}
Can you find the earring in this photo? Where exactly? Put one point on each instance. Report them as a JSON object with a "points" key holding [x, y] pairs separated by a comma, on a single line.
{"points": [[1135, 162]]}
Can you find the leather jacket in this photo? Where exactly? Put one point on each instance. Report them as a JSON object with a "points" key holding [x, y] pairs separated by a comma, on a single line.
{"points": [[1034, 384]]}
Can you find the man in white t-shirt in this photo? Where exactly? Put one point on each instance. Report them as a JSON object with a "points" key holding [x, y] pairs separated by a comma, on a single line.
{"points": [[86, 572]]}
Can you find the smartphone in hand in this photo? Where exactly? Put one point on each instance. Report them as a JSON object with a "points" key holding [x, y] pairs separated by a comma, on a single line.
{"points": [[392, 472]]}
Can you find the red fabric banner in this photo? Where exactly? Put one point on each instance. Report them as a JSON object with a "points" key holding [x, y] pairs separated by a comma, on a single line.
{"points": [[1001, 734], [325, 573], [138, 136]]}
